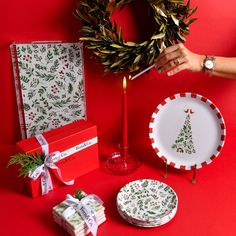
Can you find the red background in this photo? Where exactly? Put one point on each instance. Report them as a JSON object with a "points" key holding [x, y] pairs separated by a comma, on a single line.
{"points": [[207, 208]]}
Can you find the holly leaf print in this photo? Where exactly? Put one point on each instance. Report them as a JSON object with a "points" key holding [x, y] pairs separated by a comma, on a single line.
{"points": [[53, 97], [62, 103], [74, 106], [40, 67], [50, 84], [24, 79], [55, 66], [49, 56], [40, 118], [75, 47], [34, 83], [64, 118], [31, 94], [45, 103], [60, 84], [78, 113], [42, 49], [71, 76], [29, 50], [71, 55], [70, 88], [35, 103], [18, 53], [41, 110], [33, 129], [26, 107], [44, 126], [23, 49], [41, 91], [63, 50], [46, 77], [55, 50]]}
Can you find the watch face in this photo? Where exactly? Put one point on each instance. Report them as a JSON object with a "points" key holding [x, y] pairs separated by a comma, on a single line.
{"points": [[209, 64]]}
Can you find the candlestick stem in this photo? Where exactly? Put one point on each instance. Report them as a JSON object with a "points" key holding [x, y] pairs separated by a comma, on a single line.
{"points": [[123, 162], [194, 179], [166, 170]]}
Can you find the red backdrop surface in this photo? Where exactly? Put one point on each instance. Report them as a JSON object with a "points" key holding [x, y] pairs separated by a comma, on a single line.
{"points": [[214, 33]]}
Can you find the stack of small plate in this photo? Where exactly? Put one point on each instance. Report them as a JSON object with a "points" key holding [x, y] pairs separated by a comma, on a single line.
{"points": [[147, 203]]}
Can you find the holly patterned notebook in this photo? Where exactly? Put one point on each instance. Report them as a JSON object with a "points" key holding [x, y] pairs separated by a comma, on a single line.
{"points": [[49, 82]]}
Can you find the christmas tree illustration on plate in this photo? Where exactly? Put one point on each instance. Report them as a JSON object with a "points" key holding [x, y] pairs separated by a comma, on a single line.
{"points": [[184, 141]]}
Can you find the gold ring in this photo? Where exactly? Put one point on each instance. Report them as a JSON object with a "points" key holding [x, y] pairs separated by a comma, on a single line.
{"points": [[176, 62]]}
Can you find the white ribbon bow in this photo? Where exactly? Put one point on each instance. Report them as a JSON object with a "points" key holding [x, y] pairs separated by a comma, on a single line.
{"points": [[80, 206], [43, 171]]}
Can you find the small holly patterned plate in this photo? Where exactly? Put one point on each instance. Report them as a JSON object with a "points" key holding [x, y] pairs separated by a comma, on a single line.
{"points": [[147, 203], [153, 223], [187, 131]]}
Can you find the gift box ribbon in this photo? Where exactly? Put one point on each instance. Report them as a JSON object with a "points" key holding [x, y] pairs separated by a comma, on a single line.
{"points": [[81, 207], [49, 162]]}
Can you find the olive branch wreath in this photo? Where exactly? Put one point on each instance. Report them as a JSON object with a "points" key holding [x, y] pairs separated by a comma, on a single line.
{"points": [[117, 55]]}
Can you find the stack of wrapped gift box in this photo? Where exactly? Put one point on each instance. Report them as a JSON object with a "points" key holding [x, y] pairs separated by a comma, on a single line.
{"points": [[78, 222]]}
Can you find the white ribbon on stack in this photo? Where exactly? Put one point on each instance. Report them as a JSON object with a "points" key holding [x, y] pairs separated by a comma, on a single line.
{"points": [[80, 206]]}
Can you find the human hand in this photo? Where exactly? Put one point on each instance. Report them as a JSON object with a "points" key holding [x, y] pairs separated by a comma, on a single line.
{"points": [[177, 58]]}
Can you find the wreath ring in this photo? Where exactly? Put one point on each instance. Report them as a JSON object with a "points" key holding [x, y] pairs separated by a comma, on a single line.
{"points": [[117, 55]]}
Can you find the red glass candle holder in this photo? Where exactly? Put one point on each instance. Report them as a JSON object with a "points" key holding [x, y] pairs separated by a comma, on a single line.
{"points": [[122, 162]]}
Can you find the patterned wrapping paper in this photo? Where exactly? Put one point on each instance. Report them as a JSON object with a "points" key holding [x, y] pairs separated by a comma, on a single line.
{"points": [[75, 224], [75, 220], [81, 229], [49, 82]]}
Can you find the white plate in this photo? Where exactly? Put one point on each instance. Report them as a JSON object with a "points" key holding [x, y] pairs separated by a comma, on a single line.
{"points": [[187, 131], [148, 223], [147, 202]]}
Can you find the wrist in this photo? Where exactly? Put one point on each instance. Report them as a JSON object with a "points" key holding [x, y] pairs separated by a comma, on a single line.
{"points": [[201, 59]]}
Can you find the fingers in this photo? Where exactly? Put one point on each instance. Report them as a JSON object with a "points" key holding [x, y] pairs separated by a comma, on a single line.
{"points": [[169, 54], [177, 58], [172, 48], [172, 59], [176, 62], [166, 58], [177, 69]]}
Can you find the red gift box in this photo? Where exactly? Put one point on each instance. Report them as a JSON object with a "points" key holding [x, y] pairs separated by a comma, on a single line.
{"points": [[78, 140]]}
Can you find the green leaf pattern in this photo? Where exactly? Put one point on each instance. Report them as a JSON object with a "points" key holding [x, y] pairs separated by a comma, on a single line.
{"points": [[76, 220], [184, 141], [146, 200], [51, 84]]}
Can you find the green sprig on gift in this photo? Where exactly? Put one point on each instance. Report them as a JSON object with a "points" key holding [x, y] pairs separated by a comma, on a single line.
{"points": [[28, 162], [79, 193]]}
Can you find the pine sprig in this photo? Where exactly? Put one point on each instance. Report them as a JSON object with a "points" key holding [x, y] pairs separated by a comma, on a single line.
{"points": [[79, 193], [28, 162], [105, 40]]}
